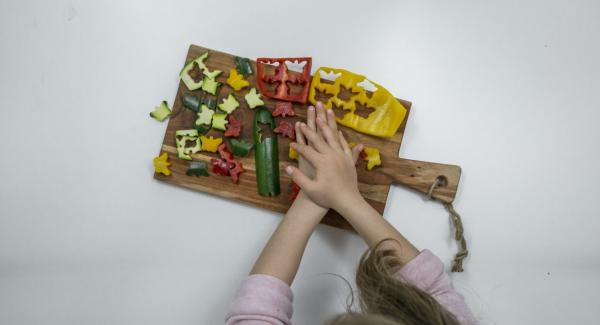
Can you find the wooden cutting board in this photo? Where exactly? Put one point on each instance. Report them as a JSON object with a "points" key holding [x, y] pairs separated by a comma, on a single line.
{"points": [[374, 185]]}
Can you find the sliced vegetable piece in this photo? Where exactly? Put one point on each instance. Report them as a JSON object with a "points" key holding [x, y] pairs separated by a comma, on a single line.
{"points": [[284, 109], [219, 122], [197, 168], [266, 155], [295, 191], [202, 128], [220, 166], [210, 85], [191, 102], [210, 144], [253, 98], [161, 164], [211, 103], [233, 128], [241, 148], [286, 129], [225, 153], [243, 65], [229, 104], [205, 116], [161, 112], [373, 158], [185, 76], [235, 169], [293, 154], [236, 80]]}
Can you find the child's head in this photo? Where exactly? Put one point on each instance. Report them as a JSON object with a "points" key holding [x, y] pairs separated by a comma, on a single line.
{"points": [[385, 300]]}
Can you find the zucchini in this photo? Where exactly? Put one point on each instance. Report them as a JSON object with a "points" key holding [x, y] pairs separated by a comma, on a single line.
{"points": [[266, 154]]}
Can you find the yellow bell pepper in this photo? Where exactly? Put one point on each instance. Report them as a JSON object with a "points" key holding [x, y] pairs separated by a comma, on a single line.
{"points": [[210, 144], [372, 157], [236, 80], [293, 154], [161, 164], [387, 115]]}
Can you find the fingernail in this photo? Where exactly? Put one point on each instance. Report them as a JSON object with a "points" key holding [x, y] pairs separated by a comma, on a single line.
{"points": [[297, 123], [289, 170], [293, 144], [311, 108]]}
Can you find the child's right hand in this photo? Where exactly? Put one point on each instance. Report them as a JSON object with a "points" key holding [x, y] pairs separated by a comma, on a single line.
{"points": [[334, 182]]}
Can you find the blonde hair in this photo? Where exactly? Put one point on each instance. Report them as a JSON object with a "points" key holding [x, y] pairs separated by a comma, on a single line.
{"points": [[385, 300]]}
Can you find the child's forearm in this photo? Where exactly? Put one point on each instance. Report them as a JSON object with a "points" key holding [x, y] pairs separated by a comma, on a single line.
{"points": [[282, 254], [373, 228]]}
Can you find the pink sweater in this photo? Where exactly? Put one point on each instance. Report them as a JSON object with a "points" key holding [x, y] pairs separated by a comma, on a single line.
{"points": [[266, 300]]}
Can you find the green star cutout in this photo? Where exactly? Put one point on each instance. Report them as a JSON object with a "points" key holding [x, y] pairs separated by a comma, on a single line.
{"points": [[229, 104]]}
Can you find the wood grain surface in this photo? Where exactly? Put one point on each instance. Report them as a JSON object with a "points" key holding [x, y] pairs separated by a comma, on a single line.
{"points": [[374, 185]]}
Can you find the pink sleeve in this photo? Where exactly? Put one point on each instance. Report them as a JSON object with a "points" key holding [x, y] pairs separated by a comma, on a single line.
{"points": [[426, 272], [261, 300]]}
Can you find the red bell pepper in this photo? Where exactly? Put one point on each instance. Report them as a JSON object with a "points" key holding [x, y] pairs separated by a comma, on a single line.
{"points": [[233, 167], [282, 78], [286, 129], [220, 166], [234, 127], [295, 190], [284, 109]]}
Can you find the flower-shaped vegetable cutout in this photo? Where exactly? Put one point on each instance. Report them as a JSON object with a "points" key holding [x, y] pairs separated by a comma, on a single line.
{"points": [[161, 164]]}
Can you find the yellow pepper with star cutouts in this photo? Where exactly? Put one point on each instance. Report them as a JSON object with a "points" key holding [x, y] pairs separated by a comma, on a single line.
{"points": [[387, 112]]}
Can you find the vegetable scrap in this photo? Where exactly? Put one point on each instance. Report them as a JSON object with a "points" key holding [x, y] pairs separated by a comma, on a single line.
{"points": [[387, 115], [284, 109], [197, 168], [161, 164], [181, 139], [210, 144], [229, 104], [283, 78], [286, 129], [236, 80], [187, 78], [253, 98], [234, 167], [234, 127], [161, 112]]}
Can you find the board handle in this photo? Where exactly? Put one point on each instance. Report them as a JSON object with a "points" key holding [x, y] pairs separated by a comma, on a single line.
{"points": [[419, 175]]}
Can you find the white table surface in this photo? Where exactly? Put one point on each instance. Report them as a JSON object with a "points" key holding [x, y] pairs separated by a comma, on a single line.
{"points": [[506, 89]]}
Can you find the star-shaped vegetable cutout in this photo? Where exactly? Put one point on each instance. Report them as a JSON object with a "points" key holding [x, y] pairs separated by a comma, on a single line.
{"points": [[373, 159], [233, 128], [205, 116], [253, 98], [210, 85], [161, 164], [229, 104], [293, 154], [286, 129], [236, 80], [284, 109]]}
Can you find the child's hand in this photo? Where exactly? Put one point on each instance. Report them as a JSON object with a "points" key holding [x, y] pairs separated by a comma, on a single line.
{"points": [[333, 182]]}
